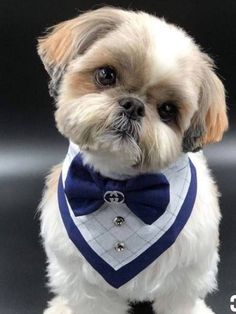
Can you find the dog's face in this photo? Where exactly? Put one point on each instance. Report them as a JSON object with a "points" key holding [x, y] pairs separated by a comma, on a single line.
{"points": [[131, 87]]}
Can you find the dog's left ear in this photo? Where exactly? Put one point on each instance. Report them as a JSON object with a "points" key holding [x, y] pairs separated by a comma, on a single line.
{"points": [[210, 121], [72, 38]]}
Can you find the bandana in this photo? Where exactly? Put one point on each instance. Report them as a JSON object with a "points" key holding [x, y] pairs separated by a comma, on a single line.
{"points": [[122, 226]]}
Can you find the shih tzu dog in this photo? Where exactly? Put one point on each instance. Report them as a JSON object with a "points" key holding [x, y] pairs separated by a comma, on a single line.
{"points": [[132, 213]]}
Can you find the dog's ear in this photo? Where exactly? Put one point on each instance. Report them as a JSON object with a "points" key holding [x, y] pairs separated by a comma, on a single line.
{"points": [[210, 121], [71, 38]]}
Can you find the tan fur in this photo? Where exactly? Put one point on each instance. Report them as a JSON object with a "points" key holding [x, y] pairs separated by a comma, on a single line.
{"points": [[57, 48], [210, 121], [216, 118], [155, 62], [71, 38], [171, 91], [122, 57], [81, 84], [126, 40], [52, 181]]}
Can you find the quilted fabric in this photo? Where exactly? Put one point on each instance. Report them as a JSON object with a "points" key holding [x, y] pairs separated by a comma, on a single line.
{"points": [[120, 251]]}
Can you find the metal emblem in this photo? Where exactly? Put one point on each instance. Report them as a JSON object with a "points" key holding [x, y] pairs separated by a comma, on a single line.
{"points": [[120, 246], [114, 197], [118, 221]]}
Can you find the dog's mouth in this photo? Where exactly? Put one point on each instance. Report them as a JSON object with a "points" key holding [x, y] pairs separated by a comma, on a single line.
{"points": [[125, 127]]}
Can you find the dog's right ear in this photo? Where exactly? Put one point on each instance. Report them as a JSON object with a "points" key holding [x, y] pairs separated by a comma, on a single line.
{"points": [[71, 38]]}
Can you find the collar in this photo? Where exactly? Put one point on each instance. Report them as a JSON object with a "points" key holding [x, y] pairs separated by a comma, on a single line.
{"points": [[113, 239]]}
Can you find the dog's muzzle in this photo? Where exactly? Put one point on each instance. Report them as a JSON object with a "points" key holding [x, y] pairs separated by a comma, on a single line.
{"points": [[128, 121], [133, 108]]}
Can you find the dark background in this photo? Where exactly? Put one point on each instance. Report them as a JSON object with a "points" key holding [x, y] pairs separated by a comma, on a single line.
{"points": [[30, 144]]}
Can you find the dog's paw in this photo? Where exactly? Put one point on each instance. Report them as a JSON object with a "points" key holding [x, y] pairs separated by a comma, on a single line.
{"points": [[57, 306]]}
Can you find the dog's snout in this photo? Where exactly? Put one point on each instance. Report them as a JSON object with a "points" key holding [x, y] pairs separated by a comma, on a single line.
{"points": [[133, 107]]}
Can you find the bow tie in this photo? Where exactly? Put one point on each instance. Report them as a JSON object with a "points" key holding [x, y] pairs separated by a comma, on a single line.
{"points": [[147, 195]]}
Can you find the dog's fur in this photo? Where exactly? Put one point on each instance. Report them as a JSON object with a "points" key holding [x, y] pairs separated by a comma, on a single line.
{"points": [[156, 62]]}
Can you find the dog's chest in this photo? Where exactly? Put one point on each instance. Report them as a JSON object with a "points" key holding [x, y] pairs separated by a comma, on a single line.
{"points": [[118, 236], [115, 241]]}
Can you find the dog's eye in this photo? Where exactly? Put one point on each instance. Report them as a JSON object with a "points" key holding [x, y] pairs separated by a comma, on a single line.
{"points": [[105, 76], [168, 111]]}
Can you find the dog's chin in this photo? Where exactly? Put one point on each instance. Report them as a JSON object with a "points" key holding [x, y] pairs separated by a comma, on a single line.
{"points": [[120, 149], [118, 143], [126, 129], [117, 164], [116, 153], [119, 137]]}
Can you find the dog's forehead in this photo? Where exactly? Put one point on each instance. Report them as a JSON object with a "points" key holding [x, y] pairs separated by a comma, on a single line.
{"points": [[170, 51], [147, 49], [147, 43]]}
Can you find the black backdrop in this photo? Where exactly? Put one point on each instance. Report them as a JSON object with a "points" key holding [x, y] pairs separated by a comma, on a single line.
{"points": [[22, 80], [30, 143]]}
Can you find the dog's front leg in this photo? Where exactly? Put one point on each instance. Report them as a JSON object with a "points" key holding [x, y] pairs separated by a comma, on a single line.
{"points": [[182, 307], [86, 305], [58, 305]]}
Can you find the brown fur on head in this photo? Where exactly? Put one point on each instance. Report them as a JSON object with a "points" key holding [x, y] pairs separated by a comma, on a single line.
{"points": [[156, 63], [210, 121], [71, 38]]}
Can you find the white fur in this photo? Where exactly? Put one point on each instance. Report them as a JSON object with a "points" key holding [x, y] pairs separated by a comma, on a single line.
{"points": [[178, 281], [175, 281]]}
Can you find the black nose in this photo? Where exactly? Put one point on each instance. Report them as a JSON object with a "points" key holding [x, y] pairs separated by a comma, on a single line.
{"points": [[133, 108]]}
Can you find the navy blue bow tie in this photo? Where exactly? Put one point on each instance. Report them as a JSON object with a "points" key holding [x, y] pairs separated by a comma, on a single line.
{"points": [[147, 196]]}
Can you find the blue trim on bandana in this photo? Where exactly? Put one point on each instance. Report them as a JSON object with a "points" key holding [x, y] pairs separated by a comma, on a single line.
{"points": [[117, 278]]}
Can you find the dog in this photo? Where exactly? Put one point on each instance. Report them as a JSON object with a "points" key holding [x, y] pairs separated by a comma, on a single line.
{"points": [[132, 213]]}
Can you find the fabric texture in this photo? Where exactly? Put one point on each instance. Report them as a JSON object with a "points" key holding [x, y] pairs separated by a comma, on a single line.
{"points": [[147, 196], [121, 227]]}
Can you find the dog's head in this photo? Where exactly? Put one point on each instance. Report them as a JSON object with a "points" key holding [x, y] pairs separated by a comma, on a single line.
{"points": [[132, 88]]}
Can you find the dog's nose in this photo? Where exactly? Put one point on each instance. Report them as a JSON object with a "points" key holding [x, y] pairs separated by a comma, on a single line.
{"points": [[133, 108]]}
